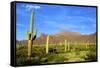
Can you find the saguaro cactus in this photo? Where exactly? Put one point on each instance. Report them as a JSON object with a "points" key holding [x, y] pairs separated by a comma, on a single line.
{"points": [[30, 36], [65, 45], [60, 43], [86, 45], [47, 42], [68, 46]]}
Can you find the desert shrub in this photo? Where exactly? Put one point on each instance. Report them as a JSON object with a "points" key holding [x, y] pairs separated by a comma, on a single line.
{"points": [[21, 61], [56, 54], [21, 53], [38, 51], [26, 61], [90, 56], [44, 60], [19, 47], [52, 50], [55, 58], [92, 48]]}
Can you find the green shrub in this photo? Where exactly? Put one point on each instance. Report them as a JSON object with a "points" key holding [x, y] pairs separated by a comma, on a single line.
{"points": [[26, 61], [90, 56]]}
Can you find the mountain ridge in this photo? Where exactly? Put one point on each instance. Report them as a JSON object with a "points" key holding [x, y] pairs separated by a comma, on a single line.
{"points": [[60, 37]]}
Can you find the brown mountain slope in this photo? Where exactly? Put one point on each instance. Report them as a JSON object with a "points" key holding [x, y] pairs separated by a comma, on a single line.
{"points": [[61, 36]]}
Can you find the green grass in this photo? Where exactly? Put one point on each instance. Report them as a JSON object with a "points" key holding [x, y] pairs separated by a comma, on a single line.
{"points": [[77, 53]]}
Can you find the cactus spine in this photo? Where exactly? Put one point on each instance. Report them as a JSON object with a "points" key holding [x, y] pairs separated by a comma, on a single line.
{"points": [[30, 36], [47, 42]]}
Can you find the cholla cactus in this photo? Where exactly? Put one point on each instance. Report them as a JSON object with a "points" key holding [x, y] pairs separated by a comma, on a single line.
{"points": [[30, 36], [47, 42]]}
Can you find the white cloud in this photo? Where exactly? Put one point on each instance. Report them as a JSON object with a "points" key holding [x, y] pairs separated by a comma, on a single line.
{"points": [[30, 7]]}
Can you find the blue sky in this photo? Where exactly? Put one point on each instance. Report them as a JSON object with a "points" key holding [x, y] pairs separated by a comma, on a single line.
{"points": [[51, 19]]}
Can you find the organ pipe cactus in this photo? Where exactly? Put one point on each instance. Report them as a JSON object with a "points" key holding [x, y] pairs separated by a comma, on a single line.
{"points": [[47, 42], [31, 35]]}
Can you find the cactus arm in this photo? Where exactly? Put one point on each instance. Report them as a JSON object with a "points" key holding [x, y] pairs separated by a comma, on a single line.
{"points": [[35, 35], [27, 35]]}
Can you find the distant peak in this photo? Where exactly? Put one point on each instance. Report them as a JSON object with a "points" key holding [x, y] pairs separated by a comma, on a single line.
{"points": [[68, 33]]}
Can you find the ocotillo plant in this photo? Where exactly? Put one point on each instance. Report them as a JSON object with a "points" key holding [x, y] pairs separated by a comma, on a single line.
{"points": [[47, 42], [31, 35]]}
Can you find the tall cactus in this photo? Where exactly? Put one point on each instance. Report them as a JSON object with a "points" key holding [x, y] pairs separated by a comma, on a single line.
{"points": [[31, 35], [68, 46], [65, 45], [86, 45], [47, 42]]}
